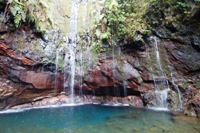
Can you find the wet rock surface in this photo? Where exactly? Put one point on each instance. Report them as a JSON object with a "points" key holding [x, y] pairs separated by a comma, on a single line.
{"points": [[192, 101], [126, 76], [35, 81], [7, 89], [173, 101], [84, 99], [184, 58]]}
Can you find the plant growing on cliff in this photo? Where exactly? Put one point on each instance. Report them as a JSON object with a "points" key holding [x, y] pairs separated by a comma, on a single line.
{"points": [[30, 11], [123, 21], [172, 12], [130, 20]]}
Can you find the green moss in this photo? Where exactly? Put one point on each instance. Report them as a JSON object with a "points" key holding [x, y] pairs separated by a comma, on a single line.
{"points": [[2, 37], [61, 64], [151, 61], [164, 60], [185, 84], [189, 49], [197, 84]]}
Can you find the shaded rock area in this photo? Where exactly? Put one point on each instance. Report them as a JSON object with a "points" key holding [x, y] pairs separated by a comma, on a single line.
{"points": [[185, 55]]}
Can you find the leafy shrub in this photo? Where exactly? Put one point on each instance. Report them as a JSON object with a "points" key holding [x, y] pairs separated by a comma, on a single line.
{"points": [[31, 11], [121, 21]]}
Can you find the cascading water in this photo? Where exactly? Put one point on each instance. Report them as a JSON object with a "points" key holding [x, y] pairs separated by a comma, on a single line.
{"points": [[178, 91], [160, 81], [116, 52], [73, 42], [113, 67], [66, 66], [125, 89], [57, 62], [85, 27], [73, 52], [70, 46]]}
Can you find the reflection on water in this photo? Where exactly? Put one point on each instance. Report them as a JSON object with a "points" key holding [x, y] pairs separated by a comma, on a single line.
{"points": [[96, 119]]}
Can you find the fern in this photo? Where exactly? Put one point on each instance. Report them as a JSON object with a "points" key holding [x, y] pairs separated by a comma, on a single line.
{"points": [[30, 11]]}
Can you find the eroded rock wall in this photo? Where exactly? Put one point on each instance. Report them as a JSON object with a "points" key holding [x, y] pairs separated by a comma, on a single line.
{"points": [[33, 80]]}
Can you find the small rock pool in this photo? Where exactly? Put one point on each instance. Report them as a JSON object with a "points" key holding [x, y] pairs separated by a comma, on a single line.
{"points": [[96, 119]]}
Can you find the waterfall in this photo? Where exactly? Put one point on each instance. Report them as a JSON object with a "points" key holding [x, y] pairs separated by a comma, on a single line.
{"points": [[125, 89], [81, 71], [160, 81], [116, 52], [178, 91], [113, 67], [66, 66], [70, 46], [73, 42], [57, 62], [86, 23]]}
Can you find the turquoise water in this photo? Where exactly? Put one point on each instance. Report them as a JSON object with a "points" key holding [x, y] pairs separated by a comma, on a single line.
{"points": [[96, 119]]}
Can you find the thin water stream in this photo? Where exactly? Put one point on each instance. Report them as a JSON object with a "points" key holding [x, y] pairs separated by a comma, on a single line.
{"points": [[178, 91], [160, 81]]}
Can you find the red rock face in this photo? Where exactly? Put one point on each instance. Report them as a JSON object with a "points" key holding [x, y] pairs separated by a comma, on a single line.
{"points": [[99, 77], [42, 80], [125, 76], [6, 51], [38, 80], [133, 85], [96, 79], [110, 73], [36, 84]]}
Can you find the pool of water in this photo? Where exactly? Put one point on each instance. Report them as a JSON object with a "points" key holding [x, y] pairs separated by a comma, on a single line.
{"points": [[96, 119]]}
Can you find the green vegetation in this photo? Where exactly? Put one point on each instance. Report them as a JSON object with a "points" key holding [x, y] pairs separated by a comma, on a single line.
{"points": [[130, 20], [171, 12], [197, 84], [122, 20], [30, 11]]}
